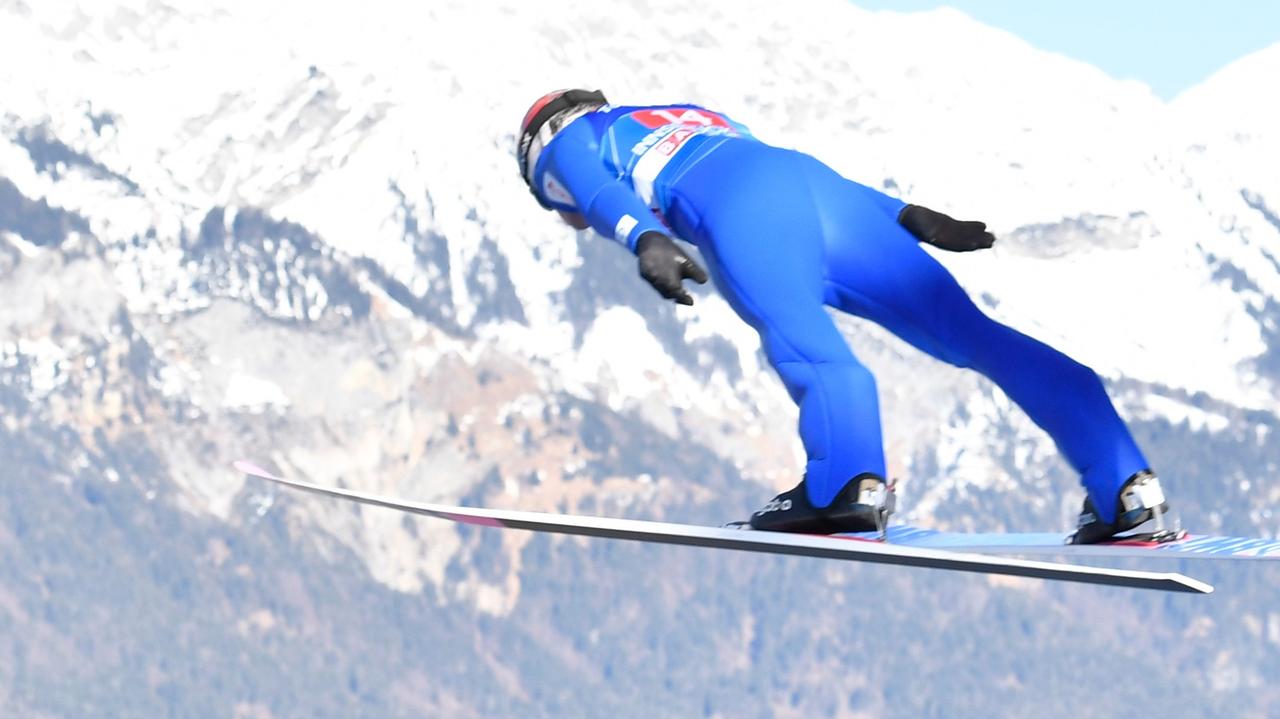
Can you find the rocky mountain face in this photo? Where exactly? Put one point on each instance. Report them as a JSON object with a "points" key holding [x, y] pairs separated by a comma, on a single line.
{"points": [[294, 233]]}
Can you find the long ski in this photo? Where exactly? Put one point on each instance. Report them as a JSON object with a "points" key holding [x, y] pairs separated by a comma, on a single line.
{"points": [[849, 549]]}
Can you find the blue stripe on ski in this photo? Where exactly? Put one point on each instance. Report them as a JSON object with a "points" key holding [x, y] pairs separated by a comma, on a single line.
{"points": [[1054, 543]]}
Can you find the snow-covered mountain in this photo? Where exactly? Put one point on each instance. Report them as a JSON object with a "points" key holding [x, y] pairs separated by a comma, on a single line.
{"points": [[294, 231]]}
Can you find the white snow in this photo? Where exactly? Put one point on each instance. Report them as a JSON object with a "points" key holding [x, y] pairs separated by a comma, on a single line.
{"points": [[620, 356], [26, 248], [47, 362], [1178, 412], [253, 393]]}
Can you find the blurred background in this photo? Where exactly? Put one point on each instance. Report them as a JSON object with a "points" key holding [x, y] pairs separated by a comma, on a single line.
{"points": [[294, 232]]}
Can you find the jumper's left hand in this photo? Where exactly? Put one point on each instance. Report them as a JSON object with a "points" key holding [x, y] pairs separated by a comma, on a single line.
{"points": [[944, 232]]}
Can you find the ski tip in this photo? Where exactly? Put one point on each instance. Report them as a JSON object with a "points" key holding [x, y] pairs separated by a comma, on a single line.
{"points": [[254, 470]]}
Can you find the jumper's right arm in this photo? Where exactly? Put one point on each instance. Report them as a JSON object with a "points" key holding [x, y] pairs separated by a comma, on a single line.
{"points": [[573, 171], [576, 182]]}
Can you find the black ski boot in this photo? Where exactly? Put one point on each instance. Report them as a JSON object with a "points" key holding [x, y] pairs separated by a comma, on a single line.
{"points": [[1141, 502], [862, 505]]}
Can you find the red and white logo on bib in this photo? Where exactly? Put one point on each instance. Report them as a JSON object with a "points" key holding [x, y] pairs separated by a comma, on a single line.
{"points": [[653, 119]]}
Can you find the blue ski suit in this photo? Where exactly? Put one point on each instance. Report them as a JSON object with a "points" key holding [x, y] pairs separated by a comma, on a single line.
{"points": [[783, 235]]}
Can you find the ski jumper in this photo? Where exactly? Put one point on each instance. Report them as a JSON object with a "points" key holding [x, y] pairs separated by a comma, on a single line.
{"points": [[783, 235]]}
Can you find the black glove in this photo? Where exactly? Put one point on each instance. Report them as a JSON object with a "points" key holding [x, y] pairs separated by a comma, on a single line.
{"points": [[665, 266], [941, 231]]}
